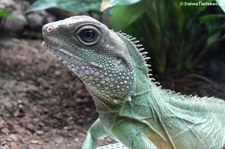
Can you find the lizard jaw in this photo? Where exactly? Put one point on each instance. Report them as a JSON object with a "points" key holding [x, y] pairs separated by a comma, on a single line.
{"points": [[61, 54]]}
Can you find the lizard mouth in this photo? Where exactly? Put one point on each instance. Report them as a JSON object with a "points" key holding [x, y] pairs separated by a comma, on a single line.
{"points": [[59, 52]]}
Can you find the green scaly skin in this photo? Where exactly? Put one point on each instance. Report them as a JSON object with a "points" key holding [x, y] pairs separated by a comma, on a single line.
{"points": [[132, 108]]}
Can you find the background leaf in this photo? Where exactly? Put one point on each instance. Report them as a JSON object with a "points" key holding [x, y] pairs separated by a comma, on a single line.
{"points": [[119, 22], [222, 4], [110, 3], [68, 5], [176, 35]]}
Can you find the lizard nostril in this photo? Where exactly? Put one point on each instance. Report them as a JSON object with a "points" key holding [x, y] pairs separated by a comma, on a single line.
{"points": [[48, 28]]}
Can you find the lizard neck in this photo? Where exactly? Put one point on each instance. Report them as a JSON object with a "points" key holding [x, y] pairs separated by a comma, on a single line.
{"points": [[110, 104], [142, 82]]}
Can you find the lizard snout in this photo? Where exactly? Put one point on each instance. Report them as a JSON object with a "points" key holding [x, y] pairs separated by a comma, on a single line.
{"points": [[48, 28]]}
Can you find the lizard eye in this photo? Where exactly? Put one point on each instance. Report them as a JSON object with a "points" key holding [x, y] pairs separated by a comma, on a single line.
{"points": [[88, 35]]}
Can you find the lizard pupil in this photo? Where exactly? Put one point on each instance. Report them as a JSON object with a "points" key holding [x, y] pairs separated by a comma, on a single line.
{"points": [[88, 35]]}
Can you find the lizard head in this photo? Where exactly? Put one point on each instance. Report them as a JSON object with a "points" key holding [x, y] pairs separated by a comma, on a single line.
{"points": [[97, 55]]}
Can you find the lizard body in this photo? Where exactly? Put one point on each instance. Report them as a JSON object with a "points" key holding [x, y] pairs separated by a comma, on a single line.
{"points": [[132, 108]]}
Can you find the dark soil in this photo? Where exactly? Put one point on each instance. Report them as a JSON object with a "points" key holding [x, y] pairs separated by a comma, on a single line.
{"points": [[44, 106]]}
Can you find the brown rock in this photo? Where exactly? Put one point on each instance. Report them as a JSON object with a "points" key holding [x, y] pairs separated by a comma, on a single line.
{"points": [[58, 140], [31, 127], [15, 146], [13, 137], [40, 132], [5, 131], [34, 141]]}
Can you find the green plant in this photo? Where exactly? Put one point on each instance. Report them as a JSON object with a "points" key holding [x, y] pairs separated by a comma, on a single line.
{"points": [[68, 5], [177, 36], [4, 13], [78, 5]]}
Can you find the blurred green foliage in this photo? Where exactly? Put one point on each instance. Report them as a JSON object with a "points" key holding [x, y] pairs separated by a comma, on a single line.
{"points": [[4, 13], [177, 35]]}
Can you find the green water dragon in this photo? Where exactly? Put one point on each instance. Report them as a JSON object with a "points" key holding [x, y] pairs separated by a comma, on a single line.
{"points": [[132, 108]]}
